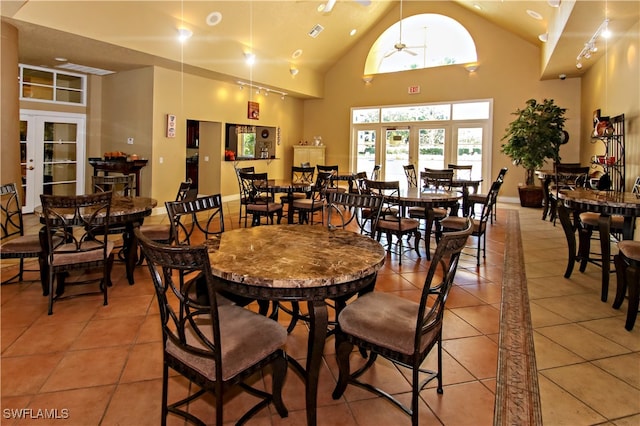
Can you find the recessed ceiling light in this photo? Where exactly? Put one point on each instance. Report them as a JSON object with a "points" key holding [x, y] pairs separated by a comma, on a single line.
{"points": [[477, 6], [353, 32], [534, 14], [60, 59], [184, 34], [543, 37], [554, 3], [296, 54], [214, 18]]}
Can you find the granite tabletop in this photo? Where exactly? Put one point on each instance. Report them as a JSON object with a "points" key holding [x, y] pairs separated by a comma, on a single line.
{"points": [[295, 256]]}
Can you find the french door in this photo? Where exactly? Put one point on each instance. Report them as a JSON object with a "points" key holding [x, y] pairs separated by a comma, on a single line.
{"points": [[52, 154]]}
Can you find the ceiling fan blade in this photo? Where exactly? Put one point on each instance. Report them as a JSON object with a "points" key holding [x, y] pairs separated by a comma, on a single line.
{"points": [[391, 52], [410, 52]]}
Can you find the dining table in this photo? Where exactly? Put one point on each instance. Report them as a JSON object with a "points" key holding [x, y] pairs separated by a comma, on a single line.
{"points": [[127, 211], [547, 177], [427, 198], [303, 263], [606, 203]]}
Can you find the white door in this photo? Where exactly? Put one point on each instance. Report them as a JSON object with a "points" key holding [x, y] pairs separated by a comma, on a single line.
{"points": [[52, 150]]}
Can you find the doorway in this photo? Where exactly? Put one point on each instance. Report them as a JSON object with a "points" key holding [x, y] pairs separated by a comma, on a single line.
{"points": [[52, 155]]}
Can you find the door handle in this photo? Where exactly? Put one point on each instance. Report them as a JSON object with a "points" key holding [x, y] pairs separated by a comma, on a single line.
{"points": [[31, 167]]}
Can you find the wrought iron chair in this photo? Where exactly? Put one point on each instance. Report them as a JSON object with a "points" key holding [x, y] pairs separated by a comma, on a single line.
{"points": [[13, 243], [76, 229], [216, 346], [119, 185], [456, 223], [333, 186], [255, 189], [243, 200], [375, 173], [391, 222], [307, 207], [627, 263], [479, 197], [461, 171], [398, 329]]}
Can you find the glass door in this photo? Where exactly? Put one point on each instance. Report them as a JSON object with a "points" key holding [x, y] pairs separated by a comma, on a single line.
{"points": [[432, 144], [367, 150], [52, 148], [396, 152]]}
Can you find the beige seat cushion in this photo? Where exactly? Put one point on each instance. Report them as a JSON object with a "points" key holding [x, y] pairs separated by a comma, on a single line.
{"points": [[308, 203], [24, 244], [92, 253], [630, 249], [459, 223], [268, 208], [404, 224], [246, 338], [384, 319], [591, 219]]}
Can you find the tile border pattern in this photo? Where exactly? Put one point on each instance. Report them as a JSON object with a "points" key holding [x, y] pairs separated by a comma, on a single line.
{"points": [[517, 392]]}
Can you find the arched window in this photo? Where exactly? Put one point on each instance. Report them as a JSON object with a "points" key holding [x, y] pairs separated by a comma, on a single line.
{"points": [[427, 40]]}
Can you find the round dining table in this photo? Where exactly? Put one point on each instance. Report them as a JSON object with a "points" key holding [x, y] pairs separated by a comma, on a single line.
{"points": [[307, 263], [606, 203], [127, 211]]}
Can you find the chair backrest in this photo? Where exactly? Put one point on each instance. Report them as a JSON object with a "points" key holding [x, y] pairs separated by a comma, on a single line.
{"points": [[187, 324], [360, 179], [364, 209], [501, 173], [636, 186], [487, 208], [196, 221], [183, 190], [461, 171], [77, 224], [118, 184], [239, 170], [434, 294], [375, 173], [410, 173], [388, 191], [305, 164], [254, 187], [437, 178], [331, 169], [323, 181], [302, 174], [572, 175], [11, 212]]}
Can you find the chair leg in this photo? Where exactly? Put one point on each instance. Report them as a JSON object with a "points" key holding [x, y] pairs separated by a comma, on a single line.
{"points": [[584, 246], [279, 374], [633, 280], [343, 352], [621, 281], [165, 385]]}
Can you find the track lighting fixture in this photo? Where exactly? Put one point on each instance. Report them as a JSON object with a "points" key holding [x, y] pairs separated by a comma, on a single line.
{"points": [[260, 89], [590, 46]]}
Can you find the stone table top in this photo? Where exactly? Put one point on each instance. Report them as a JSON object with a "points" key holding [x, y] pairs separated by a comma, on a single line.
{"points": [[295, 256]]}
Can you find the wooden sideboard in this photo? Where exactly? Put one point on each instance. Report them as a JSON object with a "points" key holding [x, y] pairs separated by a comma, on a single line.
{"points": [[119, 166]]}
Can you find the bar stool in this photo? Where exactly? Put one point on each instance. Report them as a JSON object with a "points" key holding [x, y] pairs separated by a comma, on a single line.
{"points": [[627, 263]]}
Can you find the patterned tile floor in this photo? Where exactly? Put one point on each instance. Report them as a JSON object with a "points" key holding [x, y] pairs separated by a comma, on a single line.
{"points": [[102, 364]]}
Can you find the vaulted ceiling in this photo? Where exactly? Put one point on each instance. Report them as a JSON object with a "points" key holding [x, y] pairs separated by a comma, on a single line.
{"points": [[129, 34]]}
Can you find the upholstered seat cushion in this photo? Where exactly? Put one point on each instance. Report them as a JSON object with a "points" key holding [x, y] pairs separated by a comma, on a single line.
{"points": [[397, 225], [157, 232], [268, 208], [25, 246], [91, 252], [591, 219], [383, 319], [459, 223], [336, 189], [631, 249], [477, 198], [308, 203], [246, 338]]}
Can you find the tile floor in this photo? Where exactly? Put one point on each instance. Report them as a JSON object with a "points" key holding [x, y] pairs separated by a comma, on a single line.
{"points": [[101, 365]]}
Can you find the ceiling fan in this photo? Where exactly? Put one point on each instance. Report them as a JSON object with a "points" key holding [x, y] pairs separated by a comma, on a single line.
{"points": [[400, 46]]}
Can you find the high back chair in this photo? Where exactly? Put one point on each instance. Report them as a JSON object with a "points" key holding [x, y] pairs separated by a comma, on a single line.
{"points": [[437, 178], [412, 177], [375, 173], [358, 183], [13, 243], [333, 186], [161, 233], [399, 329], [391, 221], [308, 206], [243, 201], [461, 171], [456, 223], [216, 346], [479, 198], [76, 229], [299, 175], [259, 198], [361, 210]]}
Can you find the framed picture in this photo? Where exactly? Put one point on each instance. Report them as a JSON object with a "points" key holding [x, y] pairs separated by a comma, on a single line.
{"points": [[171, 126], [253, 110]]}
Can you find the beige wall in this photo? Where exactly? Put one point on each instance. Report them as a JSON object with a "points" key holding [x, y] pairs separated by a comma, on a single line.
{"points": [[10, 123], [509, 72], [613, 86]]}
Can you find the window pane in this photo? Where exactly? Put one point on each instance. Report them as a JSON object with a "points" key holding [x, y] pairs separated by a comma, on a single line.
{"points": [[366, 150], [470, 149], [471, 111], [416, 113], [370, 115], [431, 149]]}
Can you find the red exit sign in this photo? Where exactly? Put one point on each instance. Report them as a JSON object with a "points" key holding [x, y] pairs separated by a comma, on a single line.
{"points": [[414, 89]]}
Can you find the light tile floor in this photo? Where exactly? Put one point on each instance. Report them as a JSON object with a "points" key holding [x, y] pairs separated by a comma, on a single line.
{"points": [[102, 364]]}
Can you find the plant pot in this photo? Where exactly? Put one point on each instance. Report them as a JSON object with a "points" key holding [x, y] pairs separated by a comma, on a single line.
{"points": [[530, 196]]}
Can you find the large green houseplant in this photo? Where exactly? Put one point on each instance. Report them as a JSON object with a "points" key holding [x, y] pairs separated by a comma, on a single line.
{"points": [[534, 136]]}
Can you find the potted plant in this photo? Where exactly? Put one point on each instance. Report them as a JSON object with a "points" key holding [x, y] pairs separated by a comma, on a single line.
{"points": [[534, 136]]}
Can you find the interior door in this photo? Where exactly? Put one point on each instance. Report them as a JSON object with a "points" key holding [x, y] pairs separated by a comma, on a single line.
{"points": [[52, 149]]}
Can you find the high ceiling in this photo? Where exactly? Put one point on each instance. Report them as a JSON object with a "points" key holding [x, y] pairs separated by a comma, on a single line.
{"points": [[129, 34]]}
